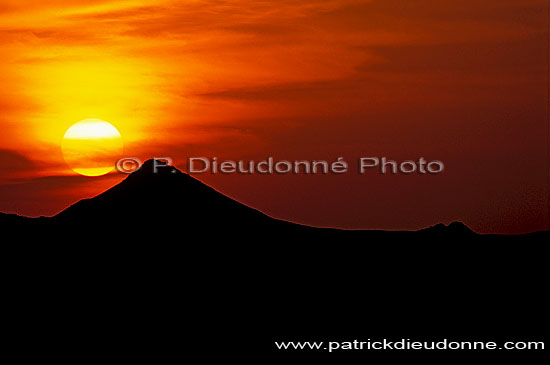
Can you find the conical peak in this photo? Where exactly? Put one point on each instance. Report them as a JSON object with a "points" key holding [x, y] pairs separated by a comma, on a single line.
{"points": [[156, 166]]}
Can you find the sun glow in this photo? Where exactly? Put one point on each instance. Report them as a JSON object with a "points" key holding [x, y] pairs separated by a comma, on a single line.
{"points": [[91, 147]]}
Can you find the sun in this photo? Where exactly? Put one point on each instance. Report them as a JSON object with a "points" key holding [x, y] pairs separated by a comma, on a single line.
{"points": [[91, 147]]}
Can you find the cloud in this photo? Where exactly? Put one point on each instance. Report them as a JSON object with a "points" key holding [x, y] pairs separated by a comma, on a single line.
{"points": [[50, 195], [17, 166], [14, 6], [119, 14], [284, 91], [12, 161], [513, 56]]}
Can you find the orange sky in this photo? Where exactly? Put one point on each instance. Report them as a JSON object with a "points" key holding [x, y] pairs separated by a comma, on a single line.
{"points": [[464, 82]]}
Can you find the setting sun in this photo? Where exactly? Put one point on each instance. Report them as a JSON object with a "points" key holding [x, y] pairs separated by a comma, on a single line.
{"points": [[91, 147]]}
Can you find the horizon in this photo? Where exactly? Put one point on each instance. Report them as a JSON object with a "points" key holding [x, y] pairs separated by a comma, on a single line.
{"points": [[156, 164]]}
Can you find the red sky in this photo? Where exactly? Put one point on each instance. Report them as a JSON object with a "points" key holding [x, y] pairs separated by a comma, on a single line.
{"points": [[464, 82]]}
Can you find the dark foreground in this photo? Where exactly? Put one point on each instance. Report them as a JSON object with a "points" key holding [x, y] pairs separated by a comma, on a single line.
{"points": [[162, 268]]}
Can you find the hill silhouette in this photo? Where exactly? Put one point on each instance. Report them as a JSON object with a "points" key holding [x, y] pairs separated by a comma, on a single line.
{"points": [[163, 266], [160, 197]]}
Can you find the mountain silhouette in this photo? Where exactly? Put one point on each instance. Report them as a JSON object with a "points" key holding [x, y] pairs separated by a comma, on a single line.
{"points": [[162, 262], [160, 198]]}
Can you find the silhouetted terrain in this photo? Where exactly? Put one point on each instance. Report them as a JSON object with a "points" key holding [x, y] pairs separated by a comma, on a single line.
{"points": [[164, 267], [174, 203]]}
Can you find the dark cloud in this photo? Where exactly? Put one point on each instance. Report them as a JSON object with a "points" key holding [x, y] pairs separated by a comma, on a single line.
{"points": [[12, 161], [525, 56], [51, 194], [380, 14]]}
